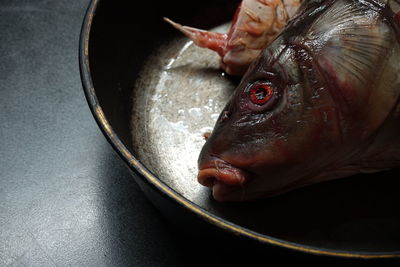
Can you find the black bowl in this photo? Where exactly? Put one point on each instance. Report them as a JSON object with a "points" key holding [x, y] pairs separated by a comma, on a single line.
{"points": [[357, 217]]}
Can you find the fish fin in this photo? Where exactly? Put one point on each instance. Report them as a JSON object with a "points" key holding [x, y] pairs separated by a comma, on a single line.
{"points": [[351, 42], [211, 40]]}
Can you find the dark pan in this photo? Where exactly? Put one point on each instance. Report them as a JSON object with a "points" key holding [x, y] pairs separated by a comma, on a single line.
{"points": [[126, 52]]}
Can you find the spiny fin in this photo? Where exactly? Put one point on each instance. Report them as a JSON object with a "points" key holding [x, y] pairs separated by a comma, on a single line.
{"points": [[211, 40], [351, 41]]}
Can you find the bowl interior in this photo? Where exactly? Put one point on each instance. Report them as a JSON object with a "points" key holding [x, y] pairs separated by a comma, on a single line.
{"points": [[142, 71]]}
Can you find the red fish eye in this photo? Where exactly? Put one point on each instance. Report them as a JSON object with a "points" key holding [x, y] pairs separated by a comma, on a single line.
{"points": [[260, 93]]}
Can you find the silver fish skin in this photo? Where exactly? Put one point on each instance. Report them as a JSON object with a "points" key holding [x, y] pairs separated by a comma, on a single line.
{"points": [[321, 102]]}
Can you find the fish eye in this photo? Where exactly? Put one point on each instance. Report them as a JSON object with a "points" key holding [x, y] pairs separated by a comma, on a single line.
{"points": [[260, 93]]}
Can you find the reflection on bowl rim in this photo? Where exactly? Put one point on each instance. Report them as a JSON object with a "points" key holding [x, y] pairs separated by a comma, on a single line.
{"points": [[150, 178]]}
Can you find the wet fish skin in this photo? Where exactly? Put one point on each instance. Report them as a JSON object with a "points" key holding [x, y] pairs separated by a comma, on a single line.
{"points": [[334, 74]]}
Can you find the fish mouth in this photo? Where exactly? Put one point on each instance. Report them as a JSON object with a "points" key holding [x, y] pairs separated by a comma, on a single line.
{"points": [[223, 178]]}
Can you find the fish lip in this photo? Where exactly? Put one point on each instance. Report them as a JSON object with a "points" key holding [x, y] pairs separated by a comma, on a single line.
{"points": [[222, 192], [222, 177]]}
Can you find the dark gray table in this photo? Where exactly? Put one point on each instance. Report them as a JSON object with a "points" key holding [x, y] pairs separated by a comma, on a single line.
{"points": [[66, 199]]}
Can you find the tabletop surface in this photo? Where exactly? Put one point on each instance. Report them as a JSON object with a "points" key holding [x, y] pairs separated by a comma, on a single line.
{"points": [[66, 198]]}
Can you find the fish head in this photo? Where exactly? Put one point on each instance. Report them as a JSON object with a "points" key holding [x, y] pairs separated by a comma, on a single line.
{"points": [[285, 126], [309, 108], [265, 133]]}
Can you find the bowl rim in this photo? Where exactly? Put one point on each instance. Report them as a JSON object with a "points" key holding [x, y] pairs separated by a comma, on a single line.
{"points": [[149, 178]]}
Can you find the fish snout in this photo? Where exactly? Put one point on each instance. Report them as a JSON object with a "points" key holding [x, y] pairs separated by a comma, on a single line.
{"points": [[222, 177]]}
